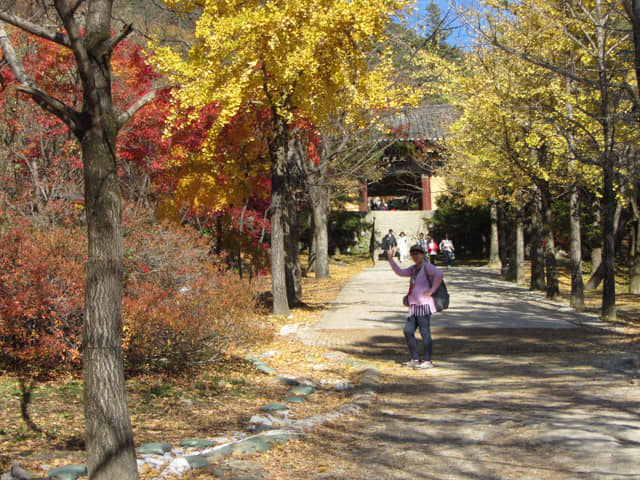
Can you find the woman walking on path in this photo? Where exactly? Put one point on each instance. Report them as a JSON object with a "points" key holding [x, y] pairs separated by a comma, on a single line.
{"points": [[403, 246], [420, 303], [432, 248], [446, 247]]}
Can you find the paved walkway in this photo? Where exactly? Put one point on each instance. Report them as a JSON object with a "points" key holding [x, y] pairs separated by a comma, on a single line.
{"points": [[479, 299], [524, 388]]}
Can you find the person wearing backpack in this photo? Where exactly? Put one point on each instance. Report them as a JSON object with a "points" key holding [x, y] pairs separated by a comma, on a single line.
{"points": [[389, 242], [419, 302]]}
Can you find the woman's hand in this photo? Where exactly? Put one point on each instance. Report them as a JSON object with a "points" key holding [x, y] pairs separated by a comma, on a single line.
{"points": [[427, 293]]}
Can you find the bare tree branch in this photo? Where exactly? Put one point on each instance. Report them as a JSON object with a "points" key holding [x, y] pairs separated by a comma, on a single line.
{"points": [[69, 116], [116, 39], [66, 13], [141, 102], [35, 29], [51, 104]]}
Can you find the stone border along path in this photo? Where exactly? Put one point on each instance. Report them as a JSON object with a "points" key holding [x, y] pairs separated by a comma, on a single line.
{"points": [[178, 461], [274, 427]]}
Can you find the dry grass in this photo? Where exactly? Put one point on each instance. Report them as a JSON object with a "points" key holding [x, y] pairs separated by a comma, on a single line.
{"points": [[218, 401]]}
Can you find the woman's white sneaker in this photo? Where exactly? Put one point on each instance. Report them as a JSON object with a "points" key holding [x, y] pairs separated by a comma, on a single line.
{"points": [[423, 365]]}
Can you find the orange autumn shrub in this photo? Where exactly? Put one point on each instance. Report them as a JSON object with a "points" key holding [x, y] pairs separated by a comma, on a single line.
{"points": [[182, 307], [41, 297]]}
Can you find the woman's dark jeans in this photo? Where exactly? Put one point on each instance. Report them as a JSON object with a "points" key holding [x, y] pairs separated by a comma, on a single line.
{"points": [[421, 322], [447, 256]]}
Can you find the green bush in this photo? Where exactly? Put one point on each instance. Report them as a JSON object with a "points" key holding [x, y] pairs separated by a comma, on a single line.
{"points": [[468, 227], [349, 232]]}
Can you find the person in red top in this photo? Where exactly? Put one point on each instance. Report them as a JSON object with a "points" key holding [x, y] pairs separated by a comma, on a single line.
{"points": [[432, 249]]}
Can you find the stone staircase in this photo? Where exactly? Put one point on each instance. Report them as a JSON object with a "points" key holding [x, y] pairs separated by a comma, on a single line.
{"points": [[411, 222]]}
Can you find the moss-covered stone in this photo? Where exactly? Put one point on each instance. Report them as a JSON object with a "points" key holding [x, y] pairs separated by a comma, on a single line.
{"points": [[156, 448], [295, 399], [275, 407], [197, 461], [68, 472], [302, 390], [196, 443]]}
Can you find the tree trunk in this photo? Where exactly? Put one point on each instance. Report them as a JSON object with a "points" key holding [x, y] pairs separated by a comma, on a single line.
{"points": [[320, 209], [108, 433], [537, 241], [520, 276], [311, 262], [596, 262], [608, 251], [596, 253], [553, 288], [494, 249], [505, 244], [109, 436], [576, 298], [597, 274], [278, 152], [26, 388], [293, 270], [634, 272]]}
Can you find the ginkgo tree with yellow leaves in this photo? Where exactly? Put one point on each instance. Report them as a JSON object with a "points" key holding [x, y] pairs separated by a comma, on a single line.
{"points": [[300, 59], [588, 47], [513, 138], [562, 78]]}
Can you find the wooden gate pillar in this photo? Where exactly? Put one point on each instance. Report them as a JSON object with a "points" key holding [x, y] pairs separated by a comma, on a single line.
{"points": [[426, 193]]}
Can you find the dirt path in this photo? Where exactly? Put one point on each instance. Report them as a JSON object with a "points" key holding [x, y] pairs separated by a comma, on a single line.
{"points": [[516, 402]]}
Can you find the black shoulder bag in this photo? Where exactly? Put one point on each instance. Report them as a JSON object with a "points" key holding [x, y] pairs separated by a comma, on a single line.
{"points": [[440, 296]]}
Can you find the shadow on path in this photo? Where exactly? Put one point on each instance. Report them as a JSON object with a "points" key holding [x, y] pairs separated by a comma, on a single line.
{"points": [[520, 390]]}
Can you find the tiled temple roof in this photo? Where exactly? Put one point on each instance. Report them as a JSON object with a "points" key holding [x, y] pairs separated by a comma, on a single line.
{"points": [[427, 122]]}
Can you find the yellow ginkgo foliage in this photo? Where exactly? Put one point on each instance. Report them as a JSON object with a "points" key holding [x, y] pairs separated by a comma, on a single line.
{"points": [[308, 58]]}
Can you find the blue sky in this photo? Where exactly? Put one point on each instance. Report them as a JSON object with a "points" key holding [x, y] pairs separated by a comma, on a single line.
{"points": [[458, 36]]}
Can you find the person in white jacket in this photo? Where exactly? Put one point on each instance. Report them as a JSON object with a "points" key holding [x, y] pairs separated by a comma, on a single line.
{"points": [[446, 247], [403, 246]]}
